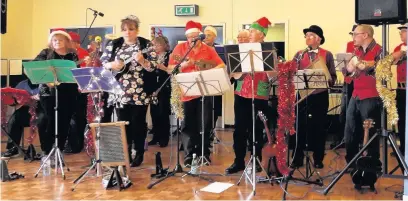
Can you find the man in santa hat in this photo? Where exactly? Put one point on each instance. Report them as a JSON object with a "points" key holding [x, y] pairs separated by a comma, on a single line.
{"points": [[313, 109], [202, 57], [401, 90], [81, 52], [243, 105]]}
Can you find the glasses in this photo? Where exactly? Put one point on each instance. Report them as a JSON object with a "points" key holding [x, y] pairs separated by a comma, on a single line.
{"points": [[355, 34]]}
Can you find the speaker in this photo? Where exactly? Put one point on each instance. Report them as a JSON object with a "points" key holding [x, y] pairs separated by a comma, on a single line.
{"points": [[3, 16], [377, 12]]}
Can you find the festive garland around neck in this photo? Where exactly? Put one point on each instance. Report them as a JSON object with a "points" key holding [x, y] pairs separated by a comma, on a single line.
{"points": [[175, 100], [383, 73], [286, 112]]}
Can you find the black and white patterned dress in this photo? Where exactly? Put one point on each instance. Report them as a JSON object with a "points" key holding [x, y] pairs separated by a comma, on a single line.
{"points": [[132, 77]]}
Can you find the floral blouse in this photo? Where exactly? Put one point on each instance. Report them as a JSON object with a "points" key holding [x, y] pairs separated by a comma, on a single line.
{"points": [[131, 78]]}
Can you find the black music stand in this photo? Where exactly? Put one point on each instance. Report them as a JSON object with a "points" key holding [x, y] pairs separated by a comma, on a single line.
{"points": [[306, 81], [51, 71], [241, 59], [212, 82], [95, 80]]}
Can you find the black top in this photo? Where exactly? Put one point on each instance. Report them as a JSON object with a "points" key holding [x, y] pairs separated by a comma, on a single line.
{"points": [[64, 89], [161, 75]]}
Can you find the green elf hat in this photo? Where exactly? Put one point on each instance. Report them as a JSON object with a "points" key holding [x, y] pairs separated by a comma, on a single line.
{"points": [[262, 25]]}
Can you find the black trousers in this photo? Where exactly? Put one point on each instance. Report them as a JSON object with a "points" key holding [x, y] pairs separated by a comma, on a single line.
{"points": [[191, 126], [345, 99], [107, 110], [78, 123], [66, 109], [311, 128], [136, 131], [15, 127], [401, 97], [160, 117], [358, 111], [243, 126]]}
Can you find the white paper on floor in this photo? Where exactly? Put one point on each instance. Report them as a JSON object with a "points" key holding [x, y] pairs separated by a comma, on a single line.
{"points": [[217, 187]]}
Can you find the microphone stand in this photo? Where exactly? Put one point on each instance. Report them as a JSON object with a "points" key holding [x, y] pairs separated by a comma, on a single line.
{"points": [[178, 168], [89, 28]]}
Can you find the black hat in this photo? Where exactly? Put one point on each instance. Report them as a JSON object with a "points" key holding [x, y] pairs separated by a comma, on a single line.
{"points": [[352, 30], [403, 26], [317, 30]]}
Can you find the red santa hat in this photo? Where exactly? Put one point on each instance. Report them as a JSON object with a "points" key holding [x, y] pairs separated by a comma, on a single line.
{"points": [[262, 25], [60, 31], [75, 36], [192, 27]]}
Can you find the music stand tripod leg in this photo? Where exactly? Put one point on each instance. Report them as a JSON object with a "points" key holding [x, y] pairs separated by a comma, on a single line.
{"points": [[401, 162], [83, 175]]}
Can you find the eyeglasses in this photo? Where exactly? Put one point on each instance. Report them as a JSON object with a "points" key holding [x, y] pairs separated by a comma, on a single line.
{"points": [[355, 34]]}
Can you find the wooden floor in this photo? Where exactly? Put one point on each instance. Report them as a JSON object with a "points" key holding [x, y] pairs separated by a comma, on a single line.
{"points": [[176, 188]]}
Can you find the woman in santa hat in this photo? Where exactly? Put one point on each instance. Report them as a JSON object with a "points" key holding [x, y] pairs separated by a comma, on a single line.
{"points": [[59, 47]]}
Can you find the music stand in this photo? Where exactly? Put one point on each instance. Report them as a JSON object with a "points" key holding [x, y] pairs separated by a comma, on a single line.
{"points": [[212, 82], [241, 59], [54, 71], [96, 80]]}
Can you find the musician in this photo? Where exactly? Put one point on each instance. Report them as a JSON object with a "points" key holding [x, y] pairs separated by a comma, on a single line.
{"points": [[202, 57], [59, 47], [365, 102], [243, 105], [137, 79], [243, 36], [76, 133], [210, 37], [346, 95], [401, 90], [21, 118], [160, 112], [313, 109]]}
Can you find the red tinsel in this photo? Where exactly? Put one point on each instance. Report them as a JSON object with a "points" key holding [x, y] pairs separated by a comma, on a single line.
{"points": [[22, 97], [91, 114], [286, 111]]}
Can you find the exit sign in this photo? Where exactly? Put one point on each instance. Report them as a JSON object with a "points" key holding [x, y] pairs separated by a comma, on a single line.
{"points": [[186, 10]]}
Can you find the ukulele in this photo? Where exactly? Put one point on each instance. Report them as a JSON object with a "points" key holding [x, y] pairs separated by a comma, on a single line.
{"points": [[365, 173], [269, 150]]}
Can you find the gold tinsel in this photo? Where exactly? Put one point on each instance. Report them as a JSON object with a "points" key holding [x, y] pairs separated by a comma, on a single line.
{"points": [[383, 73], [175, 100]]}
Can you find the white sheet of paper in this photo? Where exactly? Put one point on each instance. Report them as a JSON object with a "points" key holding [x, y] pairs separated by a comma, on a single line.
{"points": [[342, 60], [217, 187], [216, 81], [16, 67], [245, 59]]}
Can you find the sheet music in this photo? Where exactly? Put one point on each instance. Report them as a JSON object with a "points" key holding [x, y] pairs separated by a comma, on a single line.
{"points": [[315, 77], [342, 60], [246, 62]]}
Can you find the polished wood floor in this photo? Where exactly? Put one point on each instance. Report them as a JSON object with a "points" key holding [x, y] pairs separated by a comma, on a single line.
{"points": [[187, 188]]}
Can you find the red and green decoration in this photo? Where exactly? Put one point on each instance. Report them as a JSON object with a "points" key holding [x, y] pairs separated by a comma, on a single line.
{"points": [[262, 25]]}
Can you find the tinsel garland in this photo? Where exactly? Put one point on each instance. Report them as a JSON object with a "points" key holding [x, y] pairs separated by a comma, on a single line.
{"points": [[23, 98], [286, 112], [91, 114], [175, 100], [383, 73]]}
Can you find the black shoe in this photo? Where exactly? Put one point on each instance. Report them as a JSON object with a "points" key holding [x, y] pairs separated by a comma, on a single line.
{"points": [[318, 165], [234, 168], [188, 161], [11, 152], [164, 143], [138, 160], [152, 142]]}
